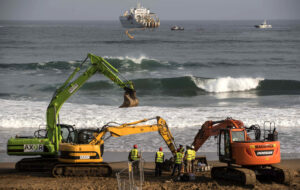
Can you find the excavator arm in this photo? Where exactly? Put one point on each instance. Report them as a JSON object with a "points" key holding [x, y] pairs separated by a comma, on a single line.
{"points": [[134, 128], [63, 93], [212, 128]]}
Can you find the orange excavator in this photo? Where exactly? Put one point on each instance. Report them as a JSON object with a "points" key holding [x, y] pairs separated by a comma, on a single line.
{"points": [[246, 158]]}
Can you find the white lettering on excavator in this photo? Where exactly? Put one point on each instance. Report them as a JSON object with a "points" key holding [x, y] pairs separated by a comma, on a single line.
{"points": [[33, 148], [84, 157], [264, 153], [73, 88]]}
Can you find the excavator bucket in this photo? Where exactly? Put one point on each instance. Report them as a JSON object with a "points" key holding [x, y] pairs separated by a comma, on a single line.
{"points": [[130, 99]]}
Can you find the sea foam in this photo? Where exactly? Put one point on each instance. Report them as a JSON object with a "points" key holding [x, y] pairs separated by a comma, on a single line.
{"points": [[184, 123], [227, 84], [137, 60], [19, 114]]}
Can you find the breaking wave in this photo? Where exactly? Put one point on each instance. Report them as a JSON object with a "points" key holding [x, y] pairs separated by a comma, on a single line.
{"points": [[227, 84], [137, 60], [193, 86]]}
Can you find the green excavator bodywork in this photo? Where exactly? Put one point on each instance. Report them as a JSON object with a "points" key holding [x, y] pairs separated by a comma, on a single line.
{"points": [[48, 144]]}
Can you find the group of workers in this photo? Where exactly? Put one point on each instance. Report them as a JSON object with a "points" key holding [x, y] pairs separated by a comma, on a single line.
{"points": [[182, 158], [184, 161]]}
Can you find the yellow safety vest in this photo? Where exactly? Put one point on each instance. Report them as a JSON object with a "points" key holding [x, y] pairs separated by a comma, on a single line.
{"points": [[189, 154], [134, 154], [178, 158], [159, 157], [194, 155]]}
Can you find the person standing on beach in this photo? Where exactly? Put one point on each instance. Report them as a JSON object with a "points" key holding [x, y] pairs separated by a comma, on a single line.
{"points": [[193, 157], [178, 162], [134, 157], [183, 165], [159, 159], [188, 157]]}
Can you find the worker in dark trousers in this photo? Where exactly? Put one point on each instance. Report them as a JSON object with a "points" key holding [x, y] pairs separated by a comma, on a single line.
{"points": [[188, 158], [159, 160], [178, 162], [134, 157]]}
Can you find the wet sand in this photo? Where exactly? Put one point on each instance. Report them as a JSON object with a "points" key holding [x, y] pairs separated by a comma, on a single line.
{"points": [[12, 179]]}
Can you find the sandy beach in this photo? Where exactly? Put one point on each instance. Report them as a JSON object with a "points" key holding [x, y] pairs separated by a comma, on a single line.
{"points": [[12, 179]]}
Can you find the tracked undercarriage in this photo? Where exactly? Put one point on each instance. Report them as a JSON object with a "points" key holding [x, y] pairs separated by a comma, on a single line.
{"points": [[38, 164], [247, 176], [58, 169], [76, 170]]}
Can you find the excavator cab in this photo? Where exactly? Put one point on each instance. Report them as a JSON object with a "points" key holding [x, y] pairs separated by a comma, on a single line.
{"points": [[226, 138], [68, 133]]}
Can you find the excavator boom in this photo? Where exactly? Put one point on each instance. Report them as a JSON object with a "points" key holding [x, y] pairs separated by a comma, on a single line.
{"points": [[133, 128], [212, 128], [69, 88]]}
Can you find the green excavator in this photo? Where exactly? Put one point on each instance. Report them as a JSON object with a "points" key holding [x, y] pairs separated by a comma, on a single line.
{"points": [[44, 145]]}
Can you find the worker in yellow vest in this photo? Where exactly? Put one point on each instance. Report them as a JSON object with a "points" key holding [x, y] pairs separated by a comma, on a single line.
{"points": [[178, 162], [188, 157], [193, 158], [159, 160], [134, 157]]}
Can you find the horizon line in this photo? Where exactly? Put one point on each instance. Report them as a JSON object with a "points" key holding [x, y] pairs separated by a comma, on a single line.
{"points": [[161, 20]]}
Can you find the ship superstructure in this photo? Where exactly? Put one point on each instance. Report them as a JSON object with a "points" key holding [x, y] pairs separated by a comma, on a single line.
{"points": [[139, 17]]}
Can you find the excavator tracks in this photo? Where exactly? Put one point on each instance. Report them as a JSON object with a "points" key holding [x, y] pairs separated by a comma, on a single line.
{"points": [[285, 176], [242, 175], [76, 170], [248, 176], [281, 175], [38, 164]]}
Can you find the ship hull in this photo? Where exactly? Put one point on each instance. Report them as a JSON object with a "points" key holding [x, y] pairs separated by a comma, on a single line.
{"points": [[130, 23], [263, 26]]}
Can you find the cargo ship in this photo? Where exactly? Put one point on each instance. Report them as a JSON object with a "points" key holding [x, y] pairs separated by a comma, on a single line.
{"points": [[139, 17]]}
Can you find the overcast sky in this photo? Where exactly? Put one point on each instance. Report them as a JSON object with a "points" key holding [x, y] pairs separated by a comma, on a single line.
{"points": [[165, 9]]}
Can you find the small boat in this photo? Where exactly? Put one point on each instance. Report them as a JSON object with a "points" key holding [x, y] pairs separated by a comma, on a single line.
{"points": [[177, 28], [263, 25]]}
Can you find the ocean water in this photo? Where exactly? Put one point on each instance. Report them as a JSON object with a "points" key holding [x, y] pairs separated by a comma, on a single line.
{"points": [[209, 71]]}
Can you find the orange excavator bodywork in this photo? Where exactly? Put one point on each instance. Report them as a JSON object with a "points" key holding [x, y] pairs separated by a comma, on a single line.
{"points": [[246, 158], [249, 152]]}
